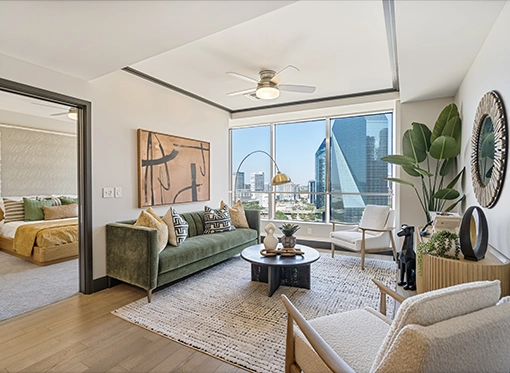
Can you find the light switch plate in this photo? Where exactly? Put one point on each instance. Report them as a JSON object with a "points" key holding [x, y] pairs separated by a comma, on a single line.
{"points": [[118, 192]]}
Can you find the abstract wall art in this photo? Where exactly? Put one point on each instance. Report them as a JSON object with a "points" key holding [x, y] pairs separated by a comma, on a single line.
{"points": [[172, 169]]}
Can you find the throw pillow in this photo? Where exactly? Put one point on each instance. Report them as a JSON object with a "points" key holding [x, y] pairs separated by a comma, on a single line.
{"points": [[68, 200], [216, 221], [237, 215], [14, 210], [33, 208], [60, 212], [146, 219], [177, 227], [2, 210]]}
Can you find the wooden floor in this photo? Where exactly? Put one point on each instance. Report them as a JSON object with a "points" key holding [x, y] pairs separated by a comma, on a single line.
{"points": [[81, 335]]}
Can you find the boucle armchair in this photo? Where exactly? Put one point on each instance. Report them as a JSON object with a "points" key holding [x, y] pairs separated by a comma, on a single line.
{"points": [[462, 328], [374, 233]]}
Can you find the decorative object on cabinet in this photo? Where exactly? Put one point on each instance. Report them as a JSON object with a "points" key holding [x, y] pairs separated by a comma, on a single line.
{"points": [[474, 231], [172, 169], [489, 149], [443, 244]]}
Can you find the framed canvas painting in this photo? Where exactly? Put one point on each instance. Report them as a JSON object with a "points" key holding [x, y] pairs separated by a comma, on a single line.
{"points": [[172, 169]]}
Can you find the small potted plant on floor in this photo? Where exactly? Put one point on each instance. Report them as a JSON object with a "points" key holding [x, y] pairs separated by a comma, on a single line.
{"points": [[289, 240]]}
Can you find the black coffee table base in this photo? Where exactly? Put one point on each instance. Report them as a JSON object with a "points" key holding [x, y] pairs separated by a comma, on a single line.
{"points": [[298, 277]]}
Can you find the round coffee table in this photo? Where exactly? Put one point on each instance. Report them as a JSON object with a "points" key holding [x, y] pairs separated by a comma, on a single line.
{"points": [[281, 270]]}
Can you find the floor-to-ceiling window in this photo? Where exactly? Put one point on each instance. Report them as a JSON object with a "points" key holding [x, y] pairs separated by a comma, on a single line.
{"points": [[334, 164]]}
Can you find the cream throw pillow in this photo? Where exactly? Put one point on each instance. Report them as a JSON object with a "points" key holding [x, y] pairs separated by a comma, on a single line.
{"points": [[147, 219], [237, 215]]}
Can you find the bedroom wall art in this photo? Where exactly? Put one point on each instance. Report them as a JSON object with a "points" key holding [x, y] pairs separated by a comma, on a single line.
{"points": [[172, 169]]}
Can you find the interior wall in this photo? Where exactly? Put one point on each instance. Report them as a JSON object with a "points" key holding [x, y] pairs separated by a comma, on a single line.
{"points": [[122, 103], [490, 71], [35, 162]]}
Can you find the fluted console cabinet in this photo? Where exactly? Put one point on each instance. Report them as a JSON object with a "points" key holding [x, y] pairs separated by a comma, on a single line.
{"points": [[440, 272]]}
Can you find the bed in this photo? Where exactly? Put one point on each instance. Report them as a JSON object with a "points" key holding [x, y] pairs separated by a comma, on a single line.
{"points": [[41, 242]]}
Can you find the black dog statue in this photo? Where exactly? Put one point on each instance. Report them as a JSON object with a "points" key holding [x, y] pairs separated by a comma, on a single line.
{"points": [[407, 258]]}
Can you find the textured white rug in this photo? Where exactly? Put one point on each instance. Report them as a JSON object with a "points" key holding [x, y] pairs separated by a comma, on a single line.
{"points": [[223, 313], [25, 286]]}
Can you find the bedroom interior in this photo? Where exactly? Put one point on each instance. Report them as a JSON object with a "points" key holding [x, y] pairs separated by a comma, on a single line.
{"points": [[38, 178], [441, 58]]}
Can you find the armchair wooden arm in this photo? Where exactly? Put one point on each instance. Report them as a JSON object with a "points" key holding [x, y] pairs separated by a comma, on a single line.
{"points": [[325, 352], [387, 291]]}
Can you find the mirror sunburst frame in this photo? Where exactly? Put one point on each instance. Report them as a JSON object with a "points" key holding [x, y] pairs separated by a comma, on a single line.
{"points": [[488, 157]]}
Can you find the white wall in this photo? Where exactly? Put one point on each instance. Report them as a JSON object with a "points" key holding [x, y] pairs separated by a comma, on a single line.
{"points": [[122, 103], [490, 71]]}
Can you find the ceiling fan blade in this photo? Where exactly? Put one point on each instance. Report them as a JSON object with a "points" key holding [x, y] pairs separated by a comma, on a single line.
{"points": [[244, 91], [243, 77], [284, 73], [296, 88], [54, 115]]}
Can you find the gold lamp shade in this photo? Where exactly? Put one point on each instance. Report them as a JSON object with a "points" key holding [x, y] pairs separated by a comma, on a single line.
{"points": [[280, 179]]}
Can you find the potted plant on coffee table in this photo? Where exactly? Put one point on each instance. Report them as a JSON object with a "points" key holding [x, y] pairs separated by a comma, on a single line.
{"points": [[289, 240]]}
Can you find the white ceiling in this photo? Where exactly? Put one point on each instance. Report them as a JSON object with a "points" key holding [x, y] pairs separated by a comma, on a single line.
{"points": [[341, 47]]}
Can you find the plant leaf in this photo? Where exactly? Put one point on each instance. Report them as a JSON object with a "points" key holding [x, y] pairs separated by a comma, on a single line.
{"points": [[423, 172], [444, 147], [408, 146], [400, 181], [401, 160], [446, 167], [453, 128], [421, 140], [454, 181], [447, 193], [452, 206], [448, 112], [410, 170]]}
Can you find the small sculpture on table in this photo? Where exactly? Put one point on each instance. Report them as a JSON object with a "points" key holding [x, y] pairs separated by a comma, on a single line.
{"points": [[407, 258], [270, 241]]}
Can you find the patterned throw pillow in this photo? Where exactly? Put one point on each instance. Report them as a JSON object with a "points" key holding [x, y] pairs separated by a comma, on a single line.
{"points": [[237, 215], [146, 219], [177, 227], [14, 210], [216, 221]]}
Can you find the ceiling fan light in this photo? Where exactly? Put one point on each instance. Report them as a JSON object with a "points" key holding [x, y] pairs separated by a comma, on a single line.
{"points": [[73, 113], [267, 93]]}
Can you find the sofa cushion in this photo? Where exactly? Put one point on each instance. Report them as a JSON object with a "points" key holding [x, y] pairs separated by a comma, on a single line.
{"points": [[177, 227], [237, 215], [216, 221], [195, 222], [203, 246], [146, 219]]}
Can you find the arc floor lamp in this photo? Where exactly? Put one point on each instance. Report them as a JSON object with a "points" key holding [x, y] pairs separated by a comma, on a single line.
{"points": [[278, 179]]}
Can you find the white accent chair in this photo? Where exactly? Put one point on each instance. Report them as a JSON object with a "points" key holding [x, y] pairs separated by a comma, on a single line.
{"points": [[462, 328], [374, 233]]}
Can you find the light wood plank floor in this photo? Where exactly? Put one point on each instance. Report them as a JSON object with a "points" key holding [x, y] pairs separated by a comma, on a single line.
{"points": [[80, 334]]}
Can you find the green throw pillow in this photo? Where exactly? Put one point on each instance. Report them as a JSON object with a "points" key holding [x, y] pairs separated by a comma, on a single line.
{"points": [[68, 200], [33, 208]]}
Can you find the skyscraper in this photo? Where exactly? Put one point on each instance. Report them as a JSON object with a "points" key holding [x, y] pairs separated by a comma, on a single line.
{"points": [[257, 181], [320, 175], [240, 180], [311, 188]]}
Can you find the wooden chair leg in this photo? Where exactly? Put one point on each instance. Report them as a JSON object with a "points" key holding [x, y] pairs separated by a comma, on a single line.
{"points": [[393, 247], [332, 250]]}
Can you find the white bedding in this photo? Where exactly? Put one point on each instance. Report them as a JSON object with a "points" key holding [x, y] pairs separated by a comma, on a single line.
{"points": [[9, 229]]}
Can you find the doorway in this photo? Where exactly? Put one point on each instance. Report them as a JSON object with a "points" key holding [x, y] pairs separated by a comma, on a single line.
{"points": [[83, 110]]}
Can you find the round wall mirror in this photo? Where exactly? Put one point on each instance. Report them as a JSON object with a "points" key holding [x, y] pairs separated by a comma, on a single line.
{"points": [[488, 154]]}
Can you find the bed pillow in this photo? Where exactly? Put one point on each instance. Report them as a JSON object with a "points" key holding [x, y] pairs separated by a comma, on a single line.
{"points": [[55, 201], [60, 212], [147, 219], [237, 215], [33, 208], [216, 221], [2, 210], [177, 227], [14, 210], [68, 200]]}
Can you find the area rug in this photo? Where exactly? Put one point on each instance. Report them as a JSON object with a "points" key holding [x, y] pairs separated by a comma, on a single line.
{"points": [[223, 313], [25, 286]]}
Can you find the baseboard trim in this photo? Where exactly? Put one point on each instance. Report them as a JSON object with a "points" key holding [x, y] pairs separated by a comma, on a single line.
{"points": [[99, 284]]}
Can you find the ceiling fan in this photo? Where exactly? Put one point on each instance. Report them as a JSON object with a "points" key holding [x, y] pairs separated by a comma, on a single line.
{"points": [[268, 87], [72, 113]]}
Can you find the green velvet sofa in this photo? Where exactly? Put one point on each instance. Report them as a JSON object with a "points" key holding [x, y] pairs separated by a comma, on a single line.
{"points": [[132, 251]]}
